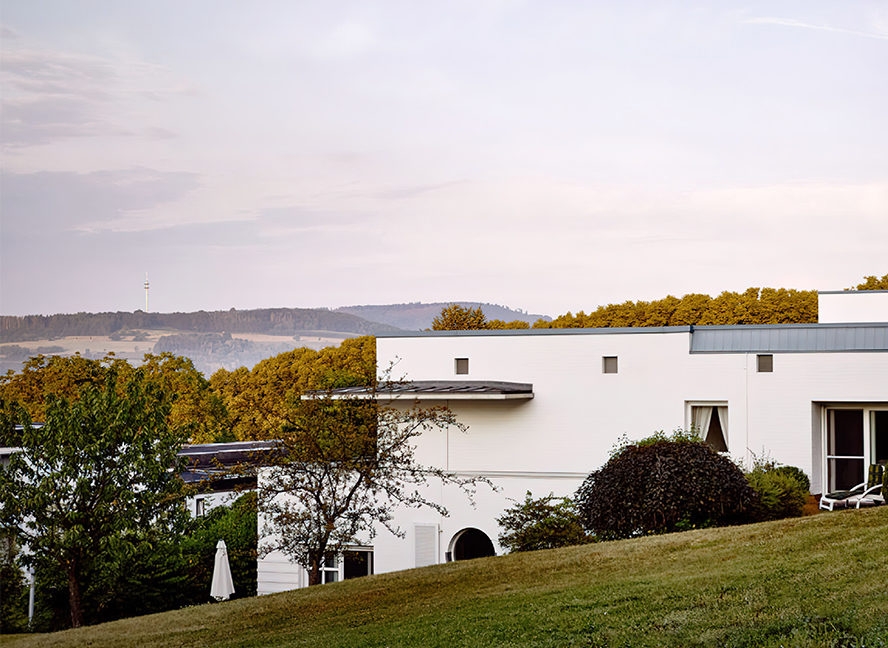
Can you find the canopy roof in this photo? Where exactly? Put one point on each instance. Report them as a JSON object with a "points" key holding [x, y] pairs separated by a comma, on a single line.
{"points": [[436, 390]]}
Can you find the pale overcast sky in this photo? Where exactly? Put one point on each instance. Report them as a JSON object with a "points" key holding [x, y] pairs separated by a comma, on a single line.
{"points": [[549, 156]]}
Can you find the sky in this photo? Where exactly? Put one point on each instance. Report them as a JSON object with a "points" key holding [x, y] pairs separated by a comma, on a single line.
{"points": [[548, 156]]}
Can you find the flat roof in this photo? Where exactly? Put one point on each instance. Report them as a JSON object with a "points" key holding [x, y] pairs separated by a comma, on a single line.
{"points": [[748, 338], [540, 331]]}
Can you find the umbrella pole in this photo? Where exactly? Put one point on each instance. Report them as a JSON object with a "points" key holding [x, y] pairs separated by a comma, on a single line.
{"points": [[31, 597]]}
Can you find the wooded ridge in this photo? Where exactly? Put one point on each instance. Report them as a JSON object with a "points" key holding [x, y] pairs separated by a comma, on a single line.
{"points": [[272, 321]]}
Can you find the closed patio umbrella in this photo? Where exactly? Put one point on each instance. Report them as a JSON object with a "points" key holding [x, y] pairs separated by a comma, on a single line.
{"points": [[222, 586]]}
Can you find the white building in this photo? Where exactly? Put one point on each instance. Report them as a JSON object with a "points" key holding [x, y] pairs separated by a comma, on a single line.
{"points": [[544, 407]]}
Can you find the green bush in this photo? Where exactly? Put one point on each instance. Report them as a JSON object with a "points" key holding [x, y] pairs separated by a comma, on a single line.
{"points": [[798, 474], [781, 491], [660, 485], [544, 523], [174, 570], [13, 590]]}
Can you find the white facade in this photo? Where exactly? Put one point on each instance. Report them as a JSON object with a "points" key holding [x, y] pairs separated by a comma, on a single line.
{"points": [[823, 409], [852, 306]]}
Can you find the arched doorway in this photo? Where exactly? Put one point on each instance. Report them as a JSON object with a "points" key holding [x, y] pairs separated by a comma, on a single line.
{"points": [[471, 543]]}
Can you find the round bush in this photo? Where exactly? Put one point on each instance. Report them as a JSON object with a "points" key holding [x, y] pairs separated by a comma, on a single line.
{"points": [[781, 493], [667, 485], [544, 523], [798, 474]]}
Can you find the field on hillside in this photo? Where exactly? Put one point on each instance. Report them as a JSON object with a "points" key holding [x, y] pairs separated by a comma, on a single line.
{"points": [[815, 581], [135, 344]]}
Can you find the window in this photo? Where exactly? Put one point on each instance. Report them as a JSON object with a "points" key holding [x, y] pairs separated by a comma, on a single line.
{"points": [[352, 563], [711, 422], [609, 364], [855, 438], [356, 563], [765, 363], [462, 366], [199, 507], [330, 569]]}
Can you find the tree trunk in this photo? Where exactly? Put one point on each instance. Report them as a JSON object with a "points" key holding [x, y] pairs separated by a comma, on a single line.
{"points": [[314, 573], [74, 595]]}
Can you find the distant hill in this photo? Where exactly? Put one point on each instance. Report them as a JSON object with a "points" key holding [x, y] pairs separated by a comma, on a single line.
{"points": [[213, 340], [270, 321], [418, 316]]}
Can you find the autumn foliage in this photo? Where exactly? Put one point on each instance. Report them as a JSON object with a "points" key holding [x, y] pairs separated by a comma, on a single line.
{"points": [[753, 306]]}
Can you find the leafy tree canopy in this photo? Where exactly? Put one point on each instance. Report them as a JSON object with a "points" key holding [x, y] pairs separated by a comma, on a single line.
{"points": [[753, 306], [873, 283], [262, 402], [458, 318], [193, 408], [96, 481]]}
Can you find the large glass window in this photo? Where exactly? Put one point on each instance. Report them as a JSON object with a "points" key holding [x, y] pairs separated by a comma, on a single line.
{"points": [[844, 448], [879, 436], [855, 438]]}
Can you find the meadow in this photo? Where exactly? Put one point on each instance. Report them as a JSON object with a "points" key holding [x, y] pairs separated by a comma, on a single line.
{"points": [[820, 580]]}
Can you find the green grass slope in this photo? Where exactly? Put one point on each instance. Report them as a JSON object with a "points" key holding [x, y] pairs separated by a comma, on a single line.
{"points": [[815, 581]]}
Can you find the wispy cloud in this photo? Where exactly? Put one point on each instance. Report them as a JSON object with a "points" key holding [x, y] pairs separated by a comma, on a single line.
{"points": [[789, 22], [52, 95]]}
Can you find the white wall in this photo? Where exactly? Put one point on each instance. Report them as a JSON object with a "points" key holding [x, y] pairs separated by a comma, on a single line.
{"points": [[578, 413], [852, 306], [211, 500]]}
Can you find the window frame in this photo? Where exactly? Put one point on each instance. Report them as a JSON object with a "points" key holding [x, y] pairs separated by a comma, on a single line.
{"points": [[715, 404], [868, 409], [461, 363]]}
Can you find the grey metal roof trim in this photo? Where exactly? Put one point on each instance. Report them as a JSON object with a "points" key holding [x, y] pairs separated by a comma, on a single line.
{"points": [[636, 330], [791, 338], [848, 292], [220, 448]]}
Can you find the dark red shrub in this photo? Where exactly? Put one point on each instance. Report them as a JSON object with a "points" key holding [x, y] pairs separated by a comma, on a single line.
{"points": [[667, 485]]}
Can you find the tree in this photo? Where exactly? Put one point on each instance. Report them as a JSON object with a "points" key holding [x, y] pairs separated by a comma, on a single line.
{"points": [[344, 466], [663, 484], [544, 523], [94, 482], [457, 318], [514, 324], [194, 409], [262, 402], [872, 282]]}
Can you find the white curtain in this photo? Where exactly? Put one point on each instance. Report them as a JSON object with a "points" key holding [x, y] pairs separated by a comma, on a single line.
{"points": [[723, 419], [701, 417]]}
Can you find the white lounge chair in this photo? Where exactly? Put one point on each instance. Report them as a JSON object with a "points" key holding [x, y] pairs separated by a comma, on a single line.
{"points": [[870, 492]]}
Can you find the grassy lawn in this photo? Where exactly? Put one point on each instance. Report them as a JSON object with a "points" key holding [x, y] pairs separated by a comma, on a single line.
{"points": [[813, 581]]}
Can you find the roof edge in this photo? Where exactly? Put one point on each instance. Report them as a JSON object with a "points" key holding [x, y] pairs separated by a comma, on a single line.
{"points": [[629, 330]]}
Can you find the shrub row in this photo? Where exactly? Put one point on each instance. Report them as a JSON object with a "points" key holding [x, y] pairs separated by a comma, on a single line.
{"points": [[657, 485]]}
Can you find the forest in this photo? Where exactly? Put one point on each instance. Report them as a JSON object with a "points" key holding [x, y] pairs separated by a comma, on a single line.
{"points": [[272, 321]]}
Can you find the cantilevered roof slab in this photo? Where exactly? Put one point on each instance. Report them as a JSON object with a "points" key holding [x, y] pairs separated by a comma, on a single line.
{"points": [[437, 390]]}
